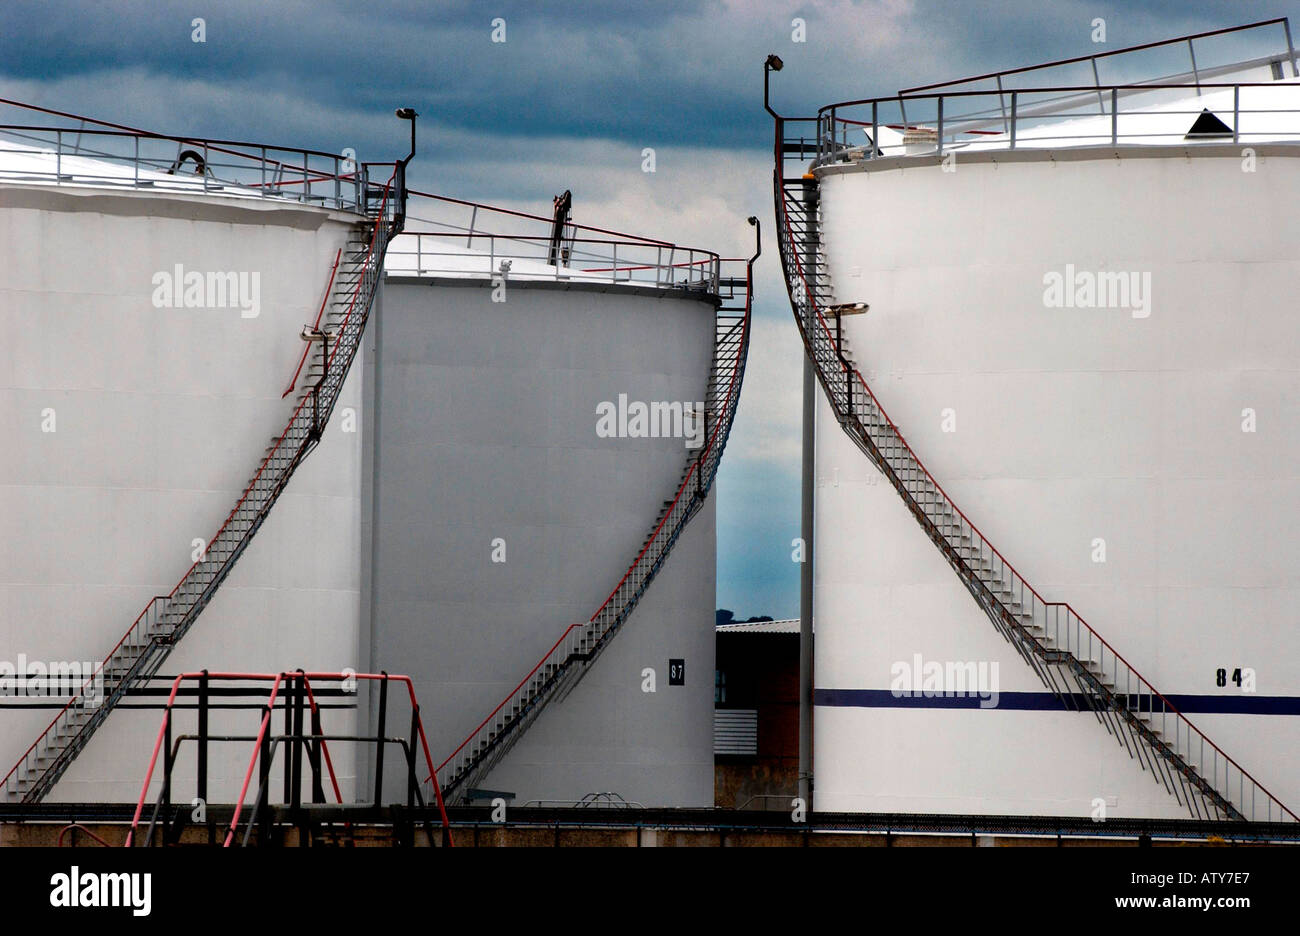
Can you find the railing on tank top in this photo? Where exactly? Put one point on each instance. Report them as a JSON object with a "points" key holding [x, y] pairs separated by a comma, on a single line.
{"points": [[450, 236], [74, 150], [990, 112]]}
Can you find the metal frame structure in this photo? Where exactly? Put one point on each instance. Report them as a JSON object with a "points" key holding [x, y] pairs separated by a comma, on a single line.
{"points": [[304, 741]]}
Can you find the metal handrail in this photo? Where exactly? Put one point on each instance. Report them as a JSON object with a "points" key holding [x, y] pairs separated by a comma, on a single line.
{"points": [[804, 299], [591, 259], [248, 170], [833, 124], [997, 76], [491, 233]]}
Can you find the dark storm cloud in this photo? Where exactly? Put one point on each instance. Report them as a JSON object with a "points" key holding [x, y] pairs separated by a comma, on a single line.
{"points": [[654, 73]]}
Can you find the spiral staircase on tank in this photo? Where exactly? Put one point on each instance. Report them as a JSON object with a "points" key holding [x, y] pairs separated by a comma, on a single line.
{"points": [[1071, 659], [333, 342], [564, 665]]}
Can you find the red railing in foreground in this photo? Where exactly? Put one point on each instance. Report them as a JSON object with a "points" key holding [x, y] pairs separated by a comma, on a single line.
{"points": [[686, 482], [844, 367], [80, 828], [266, 460], [276, 679]]}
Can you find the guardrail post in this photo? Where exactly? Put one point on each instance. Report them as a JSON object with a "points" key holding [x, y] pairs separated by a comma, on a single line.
{"points": [[313, 756], [410, 757], [1236, 113], [202, 767], [379, 737], [288, 738], [1290, 49], [1013, 120], [1114, 116], [298, 742], [263, 779], [167, 760]]}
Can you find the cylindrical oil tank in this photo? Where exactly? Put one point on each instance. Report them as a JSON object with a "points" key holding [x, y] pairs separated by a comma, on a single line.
{"points": [[134, 421], [1136, 457], [503, 512]]}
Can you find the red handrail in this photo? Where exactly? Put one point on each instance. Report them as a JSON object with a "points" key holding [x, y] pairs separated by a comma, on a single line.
{"points": [[785, 213], [293, 381], [77, 825], [635, 562], [243, 497]]}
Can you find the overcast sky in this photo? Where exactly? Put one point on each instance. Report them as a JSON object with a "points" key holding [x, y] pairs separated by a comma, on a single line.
{"points": [[569, 101]]}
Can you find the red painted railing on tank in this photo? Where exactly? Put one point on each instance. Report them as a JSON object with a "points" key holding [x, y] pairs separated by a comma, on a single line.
{"points": [[813, 304], [267, 459]]}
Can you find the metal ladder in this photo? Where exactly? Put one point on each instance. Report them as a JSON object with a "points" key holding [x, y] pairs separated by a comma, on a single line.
{"points": [[167, 618], [559, 671], [1080, 668]]}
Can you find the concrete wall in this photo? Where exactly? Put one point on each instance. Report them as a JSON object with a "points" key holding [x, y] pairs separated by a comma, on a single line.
{"points": [[1072, 424], [162, 416], [487, 430]]}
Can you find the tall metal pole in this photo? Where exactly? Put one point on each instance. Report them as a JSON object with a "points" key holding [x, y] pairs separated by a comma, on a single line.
{"points": [[806, 588]]}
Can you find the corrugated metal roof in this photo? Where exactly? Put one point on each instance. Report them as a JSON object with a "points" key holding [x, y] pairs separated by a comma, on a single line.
{"points": [[788, 626]]}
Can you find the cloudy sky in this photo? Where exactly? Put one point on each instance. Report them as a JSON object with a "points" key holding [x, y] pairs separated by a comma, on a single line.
{"points": [[570, 100]]}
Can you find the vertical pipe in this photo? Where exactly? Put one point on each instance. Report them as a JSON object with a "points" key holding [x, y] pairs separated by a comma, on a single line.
{"points": [[806, 586], [297, 744]]}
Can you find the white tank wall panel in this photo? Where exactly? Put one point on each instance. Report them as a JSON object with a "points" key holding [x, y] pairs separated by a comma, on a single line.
{"points": [[1072, 424], [487, 429], [163, 415]]}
